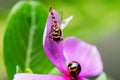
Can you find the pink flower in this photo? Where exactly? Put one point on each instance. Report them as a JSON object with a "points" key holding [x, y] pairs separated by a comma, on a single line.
{"points": [[75, 58]]}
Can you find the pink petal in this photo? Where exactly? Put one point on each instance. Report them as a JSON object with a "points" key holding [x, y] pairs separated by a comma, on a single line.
{"points": [[82, 79], [24, 76], [87, 55], [54, 50]]}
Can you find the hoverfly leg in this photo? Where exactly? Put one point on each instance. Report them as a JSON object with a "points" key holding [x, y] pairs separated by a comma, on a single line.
{"points": [[50, 36]]}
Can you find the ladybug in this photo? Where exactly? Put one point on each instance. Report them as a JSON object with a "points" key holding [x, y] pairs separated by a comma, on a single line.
{"points": [[56, 32], [74, 69]]}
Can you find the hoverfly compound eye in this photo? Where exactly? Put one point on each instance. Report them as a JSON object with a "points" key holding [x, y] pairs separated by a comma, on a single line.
{"points": [[74, 69]]}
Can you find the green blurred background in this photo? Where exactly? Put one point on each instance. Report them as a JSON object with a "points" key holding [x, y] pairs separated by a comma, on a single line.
{"points": [[95, 21]]}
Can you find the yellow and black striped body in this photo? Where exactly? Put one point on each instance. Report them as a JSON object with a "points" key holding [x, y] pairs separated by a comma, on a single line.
{"points": [[56, 32]]}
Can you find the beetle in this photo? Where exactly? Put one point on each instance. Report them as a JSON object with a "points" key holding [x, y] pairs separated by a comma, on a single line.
{"points": [[74, 69]]}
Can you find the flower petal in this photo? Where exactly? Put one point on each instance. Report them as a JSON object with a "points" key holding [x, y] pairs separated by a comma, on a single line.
{"points": [[87, 55], [24, 76], [54, 50], [82, 79]]}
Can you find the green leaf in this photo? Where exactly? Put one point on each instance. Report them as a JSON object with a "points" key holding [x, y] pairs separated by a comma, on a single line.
{"points": [[54, 71], [23, 39], [102, 77]]}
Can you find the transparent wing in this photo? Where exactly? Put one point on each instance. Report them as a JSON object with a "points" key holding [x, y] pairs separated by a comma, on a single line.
{"points": [[65, 22]]}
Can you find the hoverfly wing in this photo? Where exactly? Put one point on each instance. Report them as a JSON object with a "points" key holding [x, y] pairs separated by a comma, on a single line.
{"points": [[65, 22]]}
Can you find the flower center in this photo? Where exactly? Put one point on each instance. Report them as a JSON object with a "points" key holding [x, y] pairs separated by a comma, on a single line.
{"points": [[74, 69]]}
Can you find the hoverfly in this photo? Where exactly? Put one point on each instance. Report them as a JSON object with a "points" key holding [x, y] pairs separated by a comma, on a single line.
{"points": [[56, 33]]}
